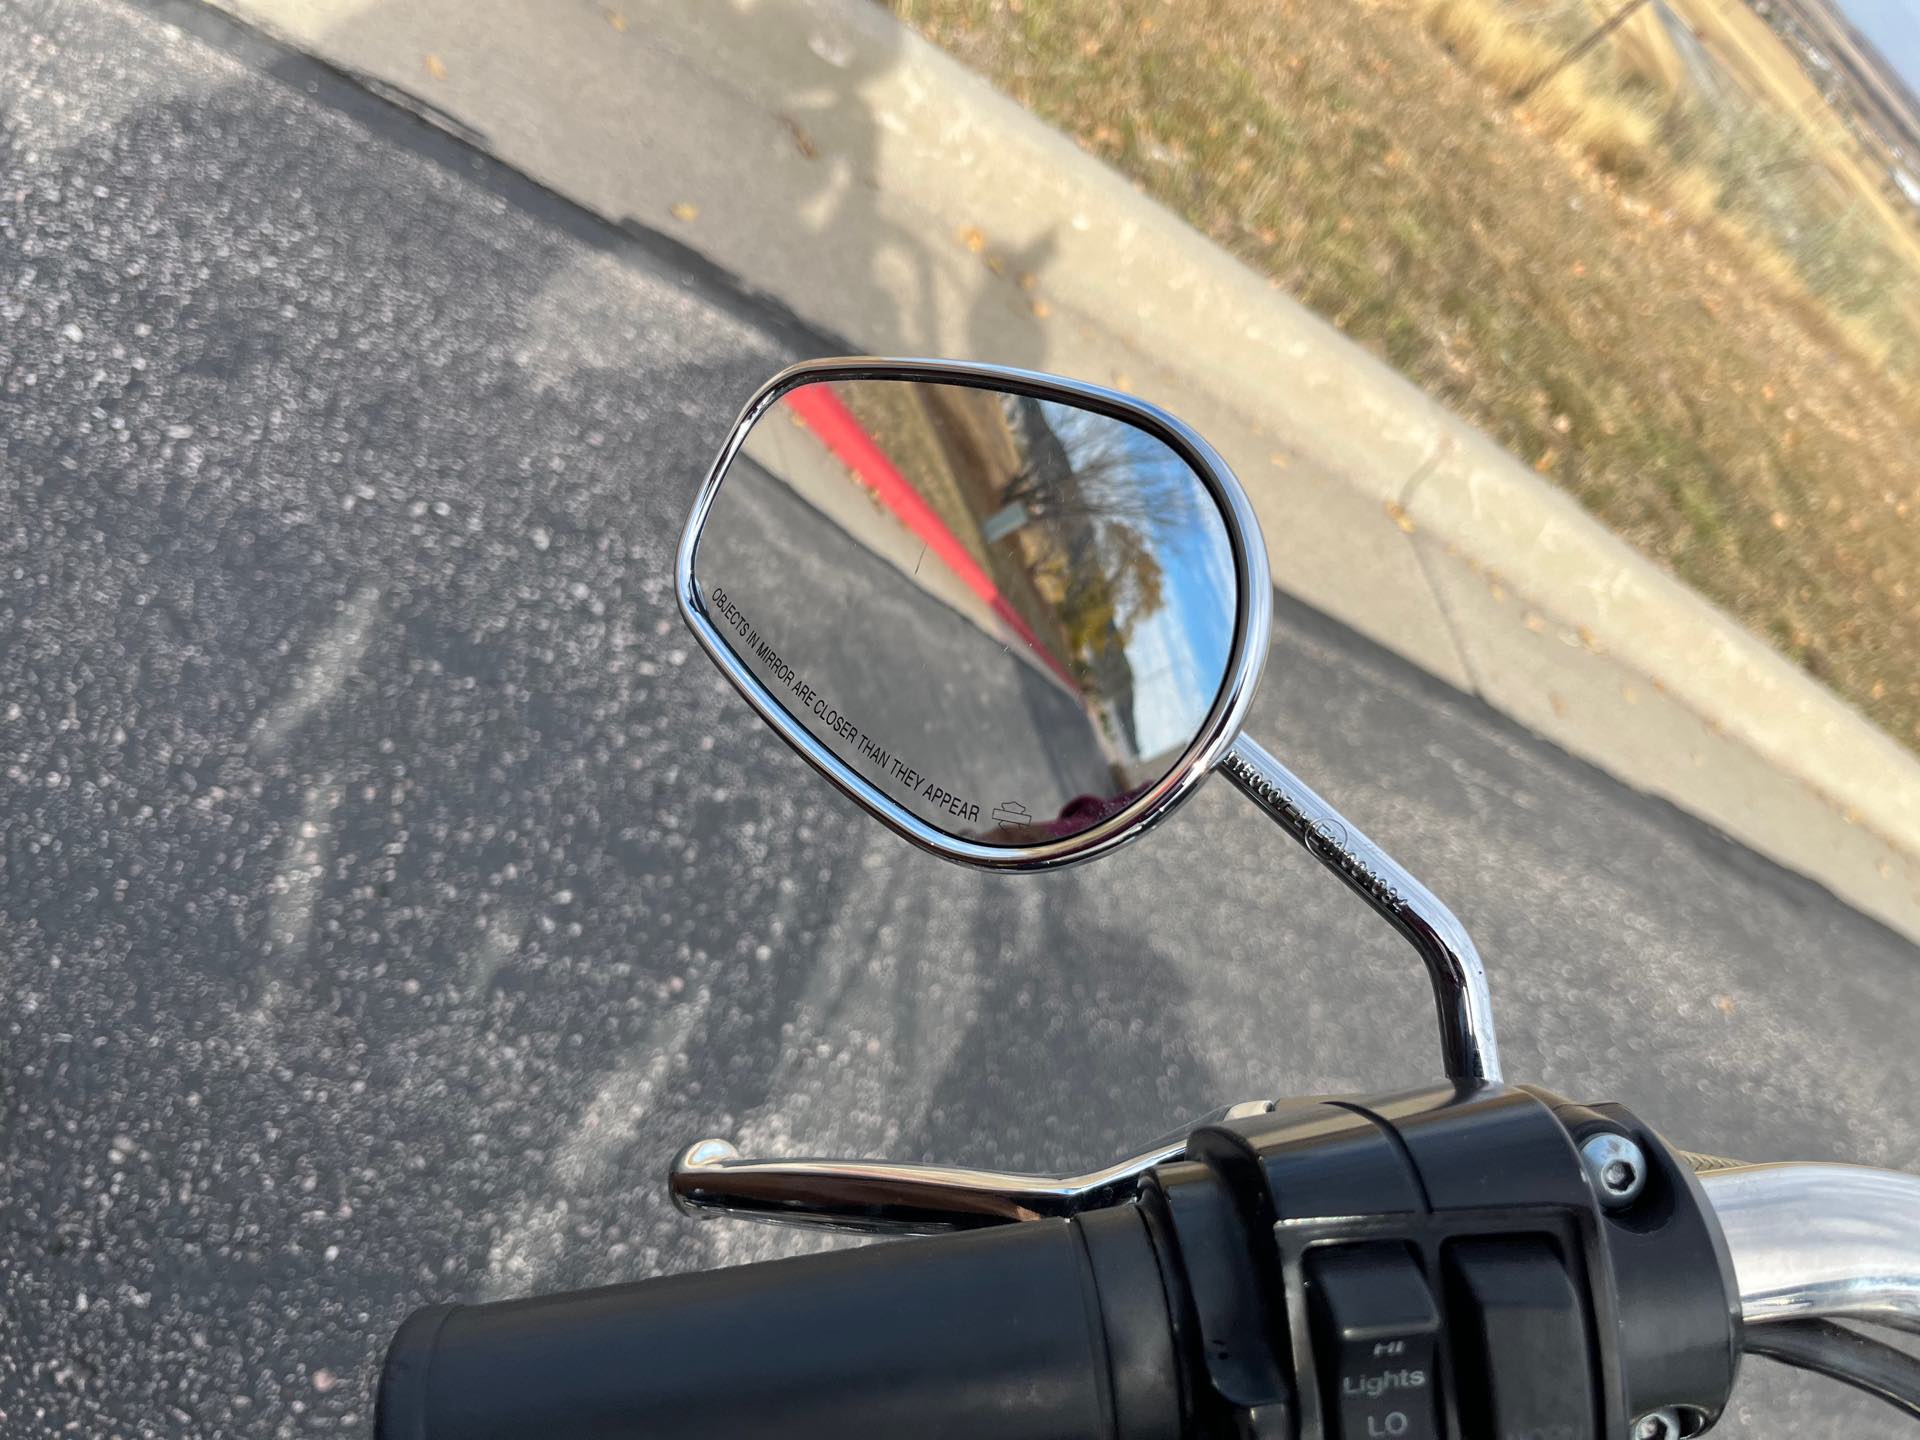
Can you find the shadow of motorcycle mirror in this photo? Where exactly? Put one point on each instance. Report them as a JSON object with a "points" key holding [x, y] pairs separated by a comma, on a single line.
{"points": [[1015, 617]]}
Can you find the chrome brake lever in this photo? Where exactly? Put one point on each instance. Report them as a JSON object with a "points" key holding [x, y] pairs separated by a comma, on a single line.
{"points": [[884, 1197]]}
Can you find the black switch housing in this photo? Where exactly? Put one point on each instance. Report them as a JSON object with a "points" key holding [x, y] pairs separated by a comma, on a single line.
{"points": [[1455, 1229]]}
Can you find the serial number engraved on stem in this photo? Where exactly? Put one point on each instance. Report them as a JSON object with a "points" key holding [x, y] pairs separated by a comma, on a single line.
{"points": [[1326, 838]]}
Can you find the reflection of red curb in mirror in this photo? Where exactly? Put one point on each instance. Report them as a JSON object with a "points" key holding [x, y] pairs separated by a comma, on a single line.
{"points": [[824, 413], [1012, 812]]}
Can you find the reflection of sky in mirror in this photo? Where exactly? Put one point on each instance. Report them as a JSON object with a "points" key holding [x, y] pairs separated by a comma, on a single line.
{"points": [[1179, 653]]}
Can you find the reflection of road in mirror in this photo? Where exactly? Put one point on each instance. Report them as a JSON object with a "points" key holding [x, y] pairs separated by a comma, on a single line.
{"points": [[1008, 614]]}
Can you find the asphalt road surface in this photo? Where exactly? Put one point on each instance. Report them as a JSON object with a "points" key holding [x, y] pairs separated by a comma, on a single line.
{"points": [[390, 888]]}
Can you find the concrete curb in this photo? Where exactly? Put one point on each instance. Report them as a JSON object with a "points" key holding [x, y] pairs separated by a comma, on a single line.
{"points": [[1490, 504], [899, 200]]}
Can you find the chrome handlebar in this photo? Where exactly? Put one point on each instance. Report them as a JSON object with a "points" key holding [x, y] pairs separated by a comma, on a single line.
{"points": [[1834, 1242], [1807, 1242]]}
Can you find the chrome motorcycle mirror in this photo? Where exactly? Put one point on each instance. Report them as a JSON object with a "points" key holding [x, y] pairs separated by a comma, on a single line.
{"points": [[1018, 619]]}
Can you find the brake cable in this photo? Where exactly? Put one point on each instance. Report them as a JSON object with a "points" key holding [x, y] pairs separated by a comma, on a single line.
{"points": [[1845, 1355]]}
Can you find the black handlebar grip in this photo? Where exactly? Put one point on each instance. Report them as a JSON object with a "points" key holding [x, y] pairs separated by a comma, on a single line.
{"points": [[1049, 1330]]}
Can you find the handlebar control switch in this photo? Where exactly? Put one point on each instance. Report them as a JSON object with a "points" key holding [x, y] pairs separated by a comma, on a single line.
{"points": [[1376, 1334], [1521, 1350]]}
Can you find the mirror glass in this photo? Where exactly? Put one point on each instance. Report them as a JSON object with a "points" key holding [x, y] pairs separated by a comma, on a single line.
{"points": [[1009, 614]]}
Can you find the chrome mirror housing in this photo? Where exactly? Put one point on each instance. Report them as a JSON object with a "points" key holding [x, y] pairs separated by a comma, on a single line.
{"points": [[983, 527]]}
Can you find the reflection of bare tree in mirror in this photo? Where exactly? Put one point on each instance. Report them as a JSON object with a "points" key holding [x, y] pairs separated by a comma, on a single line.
{"points": [[1053, 503], [1101, 569]]}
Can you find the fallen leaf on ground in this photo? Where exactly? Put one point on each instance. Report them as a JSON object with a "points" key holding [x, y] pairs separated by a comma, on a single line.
{"points": [[802, 141], [436, 67], [616, 19], [1400, 516], [686, 211], [970, 236]]}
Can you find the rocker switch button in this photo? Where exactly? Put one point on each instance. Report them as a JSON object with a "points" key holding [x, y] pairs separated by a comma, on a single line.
{"points": [[1521, 1353], [1375, 1334]]}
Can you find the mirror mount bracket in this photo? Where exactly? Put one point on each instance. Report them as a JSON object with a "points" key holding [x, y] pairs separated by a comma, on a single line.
{"points": [[1453, 964]]}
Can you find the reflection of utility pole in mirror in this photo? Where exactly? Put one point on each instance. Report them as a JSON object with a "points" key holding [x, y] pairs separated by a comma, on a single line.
{"points": [[1003, 522]]}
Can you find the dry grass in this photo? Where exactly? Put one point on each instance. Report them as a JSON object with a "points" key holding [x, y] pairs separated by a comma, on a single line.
{"points": [[1643, 53], [1481, 34], [1693, 193], [1769, 71], [1613, 134], [1691, 387], [1610, 108], [1616, 136]]}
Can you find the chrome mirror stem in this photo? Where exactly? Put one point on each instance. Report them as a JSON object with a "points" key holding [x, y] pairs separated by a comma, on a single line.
{"points": [[883, 1197], [1459, 980]]}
